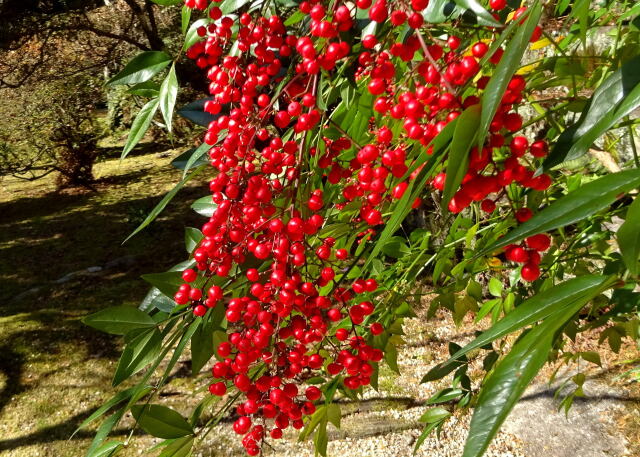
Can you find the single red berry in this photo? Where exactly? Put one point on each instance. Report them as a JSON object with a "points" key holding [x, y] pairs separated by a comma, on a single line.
{"points": [[376, 328], [530, 272]]}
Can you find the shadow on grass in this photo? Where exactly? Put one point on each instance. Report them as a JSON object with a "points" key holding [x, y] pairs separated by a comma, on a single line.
{"points": [[61, 431], [45, 237]]}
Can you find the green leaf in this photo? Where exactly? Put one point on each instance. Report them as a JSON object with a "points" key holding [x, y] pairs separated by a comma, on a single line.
{"points": [[147, 89], [117, 398], [571, 294], [615, 98], [229, 6], [483, 16], [434, 415], [391, 357], [495, 287], [104, 430], [444, 396], [167, 282], [192, 237], [592, 357], [573, 207], [141, 68], [119, 320], [161, 421], [628, 236], [463, 137], [195, 112], [202, 345], [140, 125], [165, 201], [294, 18], [196, 158], [425, 433], [508, 381], [156, 300], [334, 414], [321, 439], [191, 37], [168, 95], [184, 339], [185, 161], [108, 449], [185, 19], [396, 247], [316, 418], [493, 93], [179, 448], [439, 11], [137, 354], [204, 206]]}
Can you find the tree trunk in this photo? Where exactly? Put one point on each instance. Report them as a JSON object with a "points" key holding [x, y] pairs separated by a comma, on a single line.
{"points": [[76, 167]]}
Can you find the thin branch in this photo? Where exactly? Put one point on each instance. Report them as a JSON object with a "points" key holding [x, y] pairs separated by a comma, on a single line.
{"points": [[433, 62]]}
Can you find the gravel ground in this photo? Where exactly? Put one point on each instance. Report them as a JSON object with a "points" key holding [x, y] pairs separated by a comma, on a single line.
{"points": [[386, 423]]}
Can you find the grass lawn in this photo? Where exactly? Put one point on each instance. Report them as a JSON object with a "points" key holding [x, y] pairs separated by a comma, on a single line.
{"points": [[54, 371]]}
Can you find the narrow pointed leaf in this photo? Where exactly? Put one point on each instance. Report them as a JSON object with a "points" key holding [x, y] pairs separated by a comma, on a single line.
{"points": [[192, 237], [141, 68], [196, 158], [103, 431], [179, 448], [484, 17], [165, 201], [204, 206], [119, 320], [168, 95], [506, 385], [202, 345], [108, 449], [505, 70], [438, 11], [569, 294], [117, 398], [184, 159], [458, 162], [185, 19], [137, 354], [573, 207], [629, 237], [161, 421], [140, 125], [191, 37], [615, 98]]}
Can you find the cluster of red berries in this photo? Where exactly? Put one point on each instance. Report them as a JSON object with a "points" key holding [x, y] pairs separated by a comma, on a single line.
{"points": [[298, 319]]}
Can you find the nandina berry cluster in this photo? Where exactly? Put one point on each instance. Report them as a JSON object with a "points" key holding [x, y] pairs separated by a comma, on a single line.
{"points": [[299, 318]]}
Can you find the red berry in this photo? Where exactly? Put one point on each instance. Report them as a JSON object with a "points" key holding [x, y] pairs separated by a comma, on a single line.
{"points": [[540, 242], [376, 328], [189, 275], [218, 388], [530, 272]]}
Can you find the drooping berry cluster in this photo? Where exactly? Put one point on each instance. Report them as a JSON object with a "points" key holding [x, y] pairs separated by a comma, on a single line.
{"points": [[299, 318]]}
